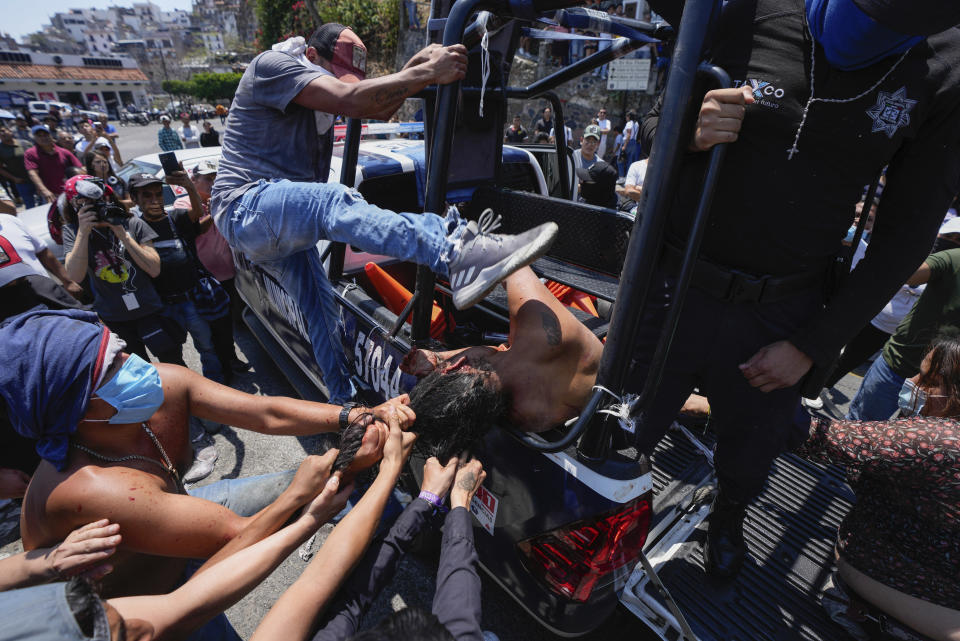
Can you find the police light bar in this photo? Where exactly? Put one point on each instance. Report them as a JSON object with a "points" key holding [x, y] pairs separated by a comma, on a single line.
{"points": [[380, 128]]}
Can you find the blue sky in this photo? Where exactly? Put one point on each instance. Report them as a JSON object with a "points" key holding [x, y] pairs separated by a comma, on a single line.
{"points": [[19, 18]]}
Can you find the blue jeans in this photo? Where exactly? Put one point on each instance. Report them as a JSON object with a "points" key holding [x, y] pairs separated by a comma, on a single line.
{"points": [[245, 496], [413, 19], [186, 314], [277, 224], [877, 398], [28, 192]]}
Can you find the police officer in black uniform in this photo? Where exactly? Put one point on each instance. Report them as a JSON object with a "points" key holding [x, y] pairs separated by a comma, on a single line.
{"points": [[829, 92]]}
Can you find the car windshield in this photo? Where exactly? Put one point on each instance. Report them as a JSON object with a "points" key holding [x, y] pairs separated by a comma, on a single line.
{"points": [[135, 167]]}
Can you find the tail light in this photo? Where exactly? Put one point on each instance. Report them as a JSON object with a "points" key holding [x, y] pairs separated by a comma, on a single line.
{"points": [[572, 559]]}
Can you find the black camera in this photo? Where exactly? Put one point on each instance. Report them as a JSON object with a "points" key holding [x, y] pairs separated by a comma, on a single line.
{"points": [[105, 211], [109, 212]]}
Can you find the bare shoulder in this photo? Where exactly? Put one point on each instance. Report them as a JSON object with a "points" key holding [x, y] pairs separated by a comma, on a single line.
{"points": [[57, 503], [549, 326]]}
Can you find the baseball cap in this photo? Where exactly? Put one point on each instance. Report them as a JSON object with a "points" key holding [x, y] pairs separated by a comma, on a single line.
{"points": [[343, 48], [137, 181], [206, 167], [164, 118], [101, 142], [34, 129], [952, 226], [591, 130]]}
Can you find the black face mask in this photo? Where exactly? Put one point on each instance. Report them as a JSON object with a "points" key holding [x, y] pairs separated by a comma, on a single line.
{"points": [[944, 242]]}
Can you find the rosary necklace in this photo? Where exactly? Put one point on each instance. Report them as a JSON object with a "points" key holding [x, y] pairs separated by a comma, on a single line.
{"points": [[803, 118], [166, 464]]}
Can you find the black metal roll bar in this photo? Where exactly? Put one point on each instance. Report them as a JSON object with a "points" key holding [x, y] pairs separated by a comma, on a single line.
{"points": [[646, 239], [445, 114], [348, 177]]}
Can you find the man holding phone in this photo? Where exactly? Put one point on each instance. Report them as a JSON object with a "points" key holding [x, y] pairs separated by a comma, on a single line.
{"points": [[269, 200]]}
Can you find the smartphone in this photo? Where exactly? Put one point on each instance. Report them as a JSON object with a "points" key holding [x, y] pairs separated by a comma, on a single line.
{"points": [[168, 160]]}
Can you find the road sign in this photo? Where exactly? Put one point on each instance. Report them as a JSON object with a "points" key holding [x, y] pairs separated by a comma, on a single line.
{"points": [[628, 74]]}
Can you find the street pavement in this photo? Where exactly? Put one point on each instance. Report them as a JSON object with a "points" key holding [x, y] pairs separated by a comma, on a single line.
{"points": [[243, 453]]}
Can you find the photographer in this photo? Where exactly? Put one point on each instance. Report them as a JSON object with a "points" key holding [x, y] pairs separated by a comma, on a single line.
{"points": [[115, 250], [175, 243]]}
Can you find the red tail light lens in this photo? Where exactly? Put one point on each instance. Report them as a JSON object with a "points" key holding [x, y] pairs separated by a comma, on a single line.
{"points": [[573, 558]]}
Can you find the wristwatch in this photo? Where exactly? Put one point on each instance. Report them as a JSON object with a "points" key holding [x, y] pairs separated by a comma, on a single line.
{"points": [[345, 414]]}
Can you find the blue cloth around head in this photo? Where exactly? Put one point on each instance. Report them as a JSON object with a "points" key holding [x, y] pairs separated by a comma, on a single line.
{"points": [[49, 361], [850, 38]]}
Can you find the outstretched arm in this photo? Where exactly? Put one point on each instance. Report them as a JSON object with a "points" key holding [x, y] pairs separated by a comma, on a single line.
{"points": [[380, 562], [456, 602], [382, 96], [267, 414], [293, 616], [210, 592]]}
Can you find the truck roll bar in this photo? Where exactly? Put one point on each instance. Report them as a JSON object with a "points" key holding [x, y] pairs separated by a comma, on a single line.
{"points": [[348, 177], [646, 239]]}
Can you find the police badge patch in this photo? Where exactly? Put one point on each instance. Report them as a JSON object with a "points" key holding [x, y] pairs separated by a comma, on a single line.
{"points": [[891, 111]]}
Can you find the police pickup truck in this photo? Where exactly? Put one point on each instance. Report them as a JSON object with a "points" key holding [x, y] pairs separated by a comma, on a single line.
{"points": [[574, 523]]}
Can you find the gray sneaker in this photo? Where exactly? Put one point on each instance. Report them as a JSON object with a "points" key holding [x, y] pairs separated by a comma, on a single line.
{"points": [[482, 259]]}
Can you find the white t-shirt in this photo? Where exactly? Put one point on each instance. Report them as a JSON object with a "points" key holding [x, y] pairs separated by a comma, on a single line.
{"points": [[636, 173], [189, 137], [898, 306], [18, 251], [602, 149], [567, 131], [630, 131], [81, 147]]}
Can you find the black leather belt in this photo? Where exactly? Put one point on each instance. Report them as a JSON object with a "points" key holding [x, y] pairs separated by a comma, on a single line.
{"points": [[736, 286]]}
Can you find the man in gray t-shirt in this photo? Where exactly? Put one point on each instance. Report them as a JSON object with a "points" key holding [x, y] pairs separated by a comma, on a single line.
{"points": [[270, 200]]}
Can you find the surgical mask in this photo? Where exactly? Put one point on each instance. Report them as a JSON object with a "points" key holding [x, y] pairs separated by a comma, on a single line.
{"points": [[912, 399], [850, 38], [135, 390]]}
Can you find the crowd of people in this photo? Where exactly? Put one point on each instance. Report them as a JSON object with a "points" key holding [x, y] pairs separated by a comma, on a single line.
{"points": [[36, 158], [609, 164], [99, 439]]}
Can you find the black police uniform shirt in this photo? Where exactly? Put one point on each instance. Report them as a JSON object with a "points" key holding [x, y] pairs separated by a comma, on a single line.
{"points": [[178, 270], [780, 216]]}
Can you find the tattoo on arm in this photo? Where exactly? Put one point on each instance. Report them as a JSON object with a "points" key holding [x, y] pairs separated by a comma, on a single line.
{"points": [[551, 327], [390, 95]]}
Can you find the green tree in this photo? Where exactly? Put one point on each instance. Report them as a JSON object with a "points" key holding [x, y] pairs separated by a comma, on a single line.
{"points": [[375, 21], [212, 86]]}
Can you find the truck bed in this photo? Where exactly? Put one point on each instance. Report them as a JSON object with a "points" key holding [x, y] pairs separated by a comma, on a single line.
{"points": [[790, 531]]}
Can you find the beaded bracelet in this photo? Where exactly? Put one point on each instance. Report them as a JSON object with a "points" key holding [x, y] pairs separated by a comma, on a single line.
{"points": [[433, 500]]}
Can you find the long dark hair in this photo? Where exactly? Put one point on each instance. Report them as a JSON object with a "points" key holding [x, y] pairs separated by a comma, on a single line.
{"points": [[88, 159], [944, 371], [455, 410]]}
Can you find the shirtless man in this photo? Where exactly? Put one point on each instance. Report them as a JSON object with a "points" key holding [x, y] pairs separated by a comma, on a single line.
{"points": [[115, 442], [542, 377]]}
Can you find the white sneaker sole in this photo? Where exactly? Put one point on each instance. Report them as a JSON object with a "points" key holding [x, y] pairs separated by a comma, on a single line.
{"points": [[491, 276]]}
